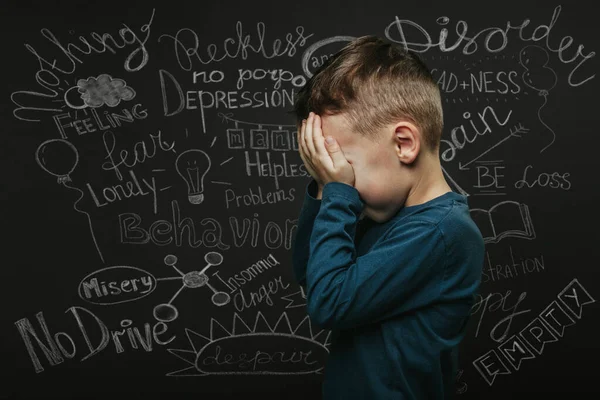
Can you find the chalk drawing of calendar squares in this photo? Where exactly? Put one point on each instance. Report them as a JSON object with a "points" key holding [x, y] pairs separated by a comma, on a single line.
{"points": [[259, 139], [235, 138], [280, 140]]}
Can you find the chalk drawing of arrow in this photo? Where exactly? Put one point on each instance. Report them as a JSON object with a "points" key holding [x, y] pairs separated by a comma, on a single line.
{"points": [[514, 133], [453, 183]]}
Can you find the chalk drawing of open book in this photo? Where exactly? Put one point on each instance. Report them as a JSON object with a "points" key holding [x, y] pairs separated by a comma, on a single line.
{"points": [[505, 219]]}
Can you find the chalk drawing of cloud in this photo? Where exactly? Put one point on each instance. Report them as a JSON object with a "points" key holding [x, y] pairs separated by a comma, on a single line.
{"points": [[96, 92]]}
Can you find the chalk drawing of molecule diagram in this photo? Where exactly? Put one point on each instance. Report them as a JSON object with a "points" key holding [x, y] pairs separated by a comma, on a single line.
{"points": [[167, 312]]}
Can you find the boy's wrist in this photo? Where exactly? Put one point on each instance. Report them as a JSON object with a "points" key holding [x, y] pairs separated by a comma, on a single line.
{"points": [[314, 190]]}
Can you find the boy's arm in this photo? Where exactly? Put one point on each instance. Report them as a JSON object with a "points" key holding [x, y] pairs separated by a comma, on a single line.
{"points": [[301, 240], [402, 271]]}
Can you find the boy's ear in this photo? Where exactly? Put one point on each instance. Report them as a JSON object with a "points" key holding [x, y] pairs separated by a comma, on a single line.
{"points": [[408, 141]]}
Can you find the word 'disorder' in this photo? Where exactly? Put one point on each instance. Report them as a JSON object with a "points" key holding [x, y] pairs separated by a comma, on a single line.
{"points": [[118, 284]]}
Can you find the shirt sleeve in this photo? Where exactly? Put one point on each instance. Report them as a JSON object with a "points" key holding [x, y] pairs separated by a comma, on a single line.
{"points": [[401, 272], [301, 241]]}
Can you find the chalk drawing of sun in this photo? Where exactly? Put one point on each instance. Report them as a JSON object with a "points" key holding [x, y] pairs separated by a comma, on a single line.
{"points": [[275, 349]]}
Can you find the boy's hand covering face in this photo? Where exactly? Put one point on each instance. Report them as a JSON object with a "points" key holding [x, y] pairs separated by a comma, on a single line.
{"points": [[324, 161]]}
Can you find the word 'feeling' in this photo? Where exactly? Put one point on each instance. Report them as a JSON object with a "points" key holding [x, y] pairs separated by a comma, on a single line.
{"points": [[67, 122], [547, 327], [61, 344]]}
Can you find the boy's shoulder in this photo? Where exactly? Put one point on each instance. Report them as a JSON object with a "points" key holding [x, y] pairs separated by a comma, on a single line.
{"points": [[439, 210], [448, 214]]}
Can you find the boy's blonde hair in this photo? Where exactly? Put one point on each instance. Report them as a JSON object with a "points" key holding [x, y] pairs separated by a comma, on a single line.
{"points": [[375, 82]]}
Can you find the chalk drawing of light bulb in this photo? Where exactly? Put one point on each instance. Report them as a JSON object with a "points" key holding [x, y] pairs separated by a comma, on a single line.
{"points": [[167, 312], [192, 165]]}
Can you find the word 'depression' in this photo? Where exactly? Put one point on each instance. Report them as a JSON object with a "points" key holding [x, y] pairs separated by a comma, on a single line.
{"points": [[549, 326]]}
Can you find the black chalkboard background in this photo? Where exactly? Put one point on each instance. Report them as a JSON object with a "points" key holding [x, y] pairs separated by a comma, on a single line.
{"points": [[520, 138]]}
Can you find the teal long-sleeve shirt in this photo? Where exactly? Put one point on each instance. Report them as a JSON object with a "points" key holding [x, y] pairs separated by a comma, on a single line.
{"points": [[396, 295]]}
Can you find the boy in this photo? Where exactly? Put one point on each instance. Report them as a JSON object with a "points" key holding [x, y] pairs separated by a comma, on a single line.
{"points": [[396, 286]]}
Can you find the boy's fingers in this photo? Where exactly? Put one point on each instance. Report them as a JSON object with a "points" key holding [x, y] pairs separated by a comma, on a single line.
{"points": [[318, 141], [336, 154], [301, 143], [299, 136], [302, 148], [308, 135]]}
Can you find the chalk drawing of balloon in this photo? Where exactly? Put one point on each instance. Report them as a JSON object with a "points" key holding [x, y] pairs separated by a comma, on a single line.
{"points": [[58, 157], [538, 76]]}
